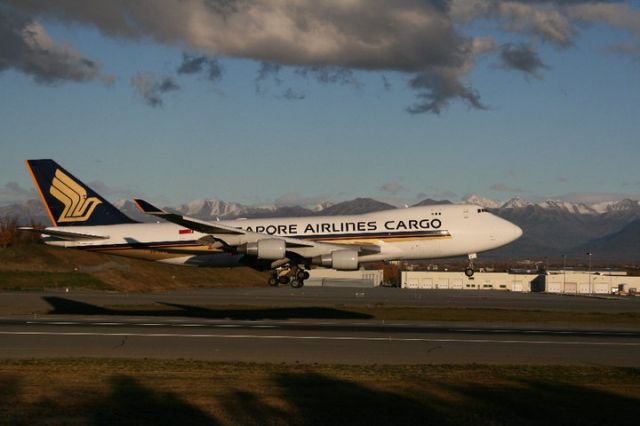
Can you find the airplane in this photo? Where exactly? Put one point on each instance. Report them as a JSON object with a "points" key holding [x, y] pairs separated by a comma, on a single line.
{"points": [[287, 246]]}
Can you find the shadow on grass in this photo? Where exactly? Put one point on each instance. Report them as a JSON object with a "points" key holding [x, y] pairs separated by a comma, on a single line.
{"points": [[130, 403], [310, 398], [127, 402], [536, 402], [316, 399], [63, 306]]}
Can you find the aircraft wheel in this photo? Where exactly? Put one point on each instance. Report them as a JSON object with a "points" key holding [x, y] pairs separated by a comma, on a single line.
{"points": [[274, 281], [469, 272], [297, 283], [284, 280], [302, 275]]}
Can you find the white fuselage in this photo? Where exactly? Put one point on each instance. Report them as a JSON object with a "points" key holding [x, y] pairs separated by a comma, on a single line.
{"points": [[399, 234]]}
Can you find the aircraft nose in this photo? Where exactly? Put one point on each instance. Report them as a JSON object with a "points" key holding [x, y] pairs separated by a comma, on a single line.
{"points": [[514, 232]]}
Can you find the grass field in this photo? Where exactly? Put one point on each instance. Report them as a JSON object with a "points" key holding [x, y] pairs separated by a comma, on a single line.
{"points": [[36, 280], [18, 266], [152, 392]]}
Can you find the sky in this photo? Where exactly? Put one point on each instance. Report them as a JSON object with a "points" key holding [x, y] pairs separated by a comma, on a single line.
{"points": [[302, 101]]}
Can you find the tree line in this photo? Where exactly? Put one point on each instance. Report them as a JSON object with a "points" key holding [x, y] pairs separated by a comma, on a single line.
{"points": [[10, 235]]}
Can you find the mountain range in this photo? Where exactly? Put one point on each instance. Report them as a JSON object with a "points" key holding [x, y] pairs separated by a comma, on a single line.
{"points": [[610, 230]]}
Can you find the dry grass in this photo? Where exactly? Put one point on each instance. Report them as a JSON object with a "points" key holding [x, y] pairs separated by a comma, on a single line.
{"points": [[189, 392], [119, 273]]}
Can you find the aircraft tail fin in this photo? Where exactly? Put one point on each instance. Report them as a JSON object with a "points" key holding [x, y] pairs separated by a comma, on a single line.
{"points": [[68, 201]]}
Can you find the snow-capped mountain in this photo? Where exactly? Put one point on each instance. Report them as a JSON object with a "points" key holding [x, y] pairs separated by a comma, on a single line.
{"points": [[577, 208], [515, 203], [205, 208], [480, 201], [321, 206]]}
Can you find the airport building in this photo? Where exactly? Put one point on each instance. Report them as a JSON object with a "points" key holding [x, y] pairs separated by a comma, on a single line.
{"points": [[321, 277], [581, 282], [557, 281], [459, 281]]}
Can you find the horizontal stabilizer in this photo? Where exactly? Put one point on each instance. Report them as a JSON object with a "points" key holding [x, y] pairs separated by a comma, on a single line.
{"points": [[65, 235]]}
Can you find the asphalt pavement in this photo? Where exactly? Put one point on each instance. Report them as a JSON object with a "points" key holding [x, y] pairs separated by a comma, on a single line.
{"points": [[307, 325]]}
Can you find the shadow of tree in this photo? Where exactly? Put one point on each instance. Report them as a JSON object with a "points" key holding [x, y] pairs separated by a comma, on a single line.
{"points": [[245, 407], [130, 403], [311, 398], [321, 400], [63, 306], [534, 402]]}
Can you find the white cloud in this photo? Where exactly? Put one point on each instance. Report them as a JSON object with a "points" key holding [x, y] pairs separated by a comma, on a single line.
{"points": [[392, 187], [12, 192]]}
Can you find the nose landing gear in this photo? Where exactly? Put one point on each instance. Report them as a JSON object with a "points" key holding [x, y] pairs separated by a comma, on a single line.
{"points": [[469, 271]]}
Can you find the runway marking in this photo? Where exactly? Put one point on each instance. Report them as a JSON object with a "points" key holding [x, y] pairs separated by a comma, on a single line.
{"points": [[332, 338], [251, 324], [188, 325]]}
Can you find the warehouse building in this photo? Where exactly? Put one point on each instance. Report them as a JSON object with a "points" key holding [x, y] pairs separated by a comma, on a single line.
{"points": [[480, 281], [581, 282], [557, 281], [321, 277]]}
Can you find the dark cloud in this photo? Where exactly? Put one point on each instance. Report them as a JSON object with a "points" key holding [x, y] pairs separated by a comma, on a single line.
{"points": [[267, 71], [292, 95], [25, 46], [424, 39], [385, 83], [329, 75], [197, 64], [631, 50], [437, 89], [326, 43], [522, 57], [151, 89]]}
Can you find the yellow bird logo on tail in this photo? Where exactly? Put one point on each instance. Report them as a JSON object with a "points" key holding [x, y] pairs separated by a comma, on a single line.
{"points": [[77, 207]]}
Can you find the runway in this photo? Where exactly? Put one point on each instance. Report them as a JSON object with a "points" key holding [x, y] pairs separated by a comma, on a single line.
{"points": [[307, 326], [343, 342], [33, 302]]}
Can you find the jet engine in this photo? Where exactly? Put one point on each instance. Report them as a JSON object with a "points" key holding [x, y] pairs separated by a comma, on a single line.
{"points": [[268, 248], [344, 260]]}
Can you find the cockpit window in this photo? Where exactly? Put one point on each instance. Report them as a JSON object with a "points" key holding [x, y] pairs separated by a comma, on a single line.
{"points": [[483, 211]]}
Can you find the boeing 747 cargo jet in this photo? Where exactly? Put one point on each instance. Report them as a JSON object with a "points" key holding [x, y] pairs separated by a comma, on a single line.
{"points": [[287, 246]]}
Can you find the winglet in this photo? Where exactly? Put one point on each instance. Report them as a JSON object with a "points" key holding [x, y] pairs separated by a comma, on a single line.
{"points": [[146, 207]]}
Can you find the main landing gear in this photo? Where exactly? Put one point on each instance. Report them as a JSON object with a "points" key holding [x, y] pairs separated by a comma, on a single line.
{"points": [[469, 269], [293, 275]]}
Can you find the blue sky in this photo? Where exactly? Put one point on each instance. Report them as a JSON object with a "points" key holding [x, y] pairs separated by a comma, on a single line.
{"points": [[573, 129]]}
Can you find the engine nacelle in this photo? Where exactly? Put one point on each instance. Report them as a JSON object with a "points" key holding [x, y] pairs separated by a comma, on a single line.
{"points": [[343, 260], [268, 249]]}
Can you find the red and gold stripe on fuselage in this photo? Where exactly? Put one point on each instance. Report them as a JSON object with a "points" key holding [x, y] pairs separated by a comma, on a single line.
{"points": [[376, 237], [169, 250]]}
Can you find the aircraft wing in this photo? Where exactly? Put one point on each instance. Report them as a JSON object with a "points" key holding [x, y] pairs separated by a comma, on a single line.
{"points": [[221, 232], [65, 235], [187, 222], [232, 237], [363, 249]]}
